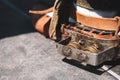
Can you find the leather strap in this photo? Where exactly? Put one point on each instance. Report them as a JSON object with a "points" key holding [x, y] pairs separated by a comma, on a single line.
{"points": [[42, 25], [42, 12], [103, 24], [100, 23], [93, 22]]}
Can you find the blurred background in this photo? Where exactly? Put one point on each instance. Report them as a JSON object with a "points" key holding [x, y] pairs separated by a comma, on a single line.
{"points": [[14, 16]]}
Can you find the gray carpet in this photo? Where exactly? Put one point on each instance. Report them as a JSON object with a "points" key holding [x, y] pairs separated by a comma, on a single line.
{"points": [[27, 55], [31, 56]]}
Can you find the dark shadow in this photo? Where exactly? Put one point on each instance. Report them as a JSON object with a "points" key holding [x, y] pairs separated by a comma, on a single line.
{"points": [[113, 62], [14, 17], [105, 4], [93, 69]]}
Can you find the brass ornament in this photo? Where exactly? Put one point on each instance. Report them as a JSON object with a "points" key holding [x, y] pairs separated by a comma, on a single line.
{"points": [[94, 48], [74, 44]]}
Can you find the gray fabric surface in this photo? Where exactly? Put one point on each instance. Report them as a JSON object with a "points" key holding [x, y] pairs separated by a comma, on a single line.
{"points": [[31, 56], [28, 55]]}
